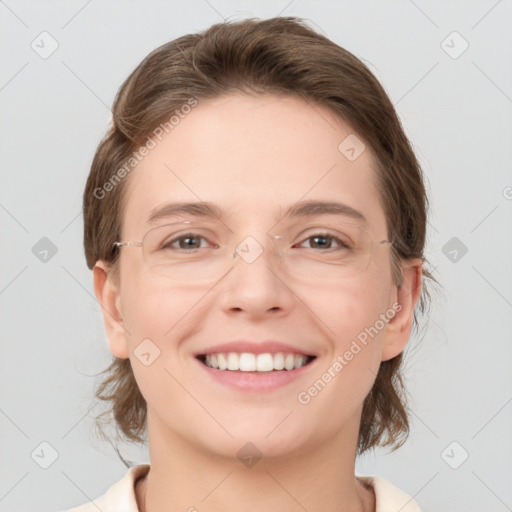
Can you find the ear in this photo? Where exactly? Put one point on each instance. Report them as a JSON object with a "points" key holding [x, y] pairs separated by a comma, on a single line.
{"points": [[398, 329], [108, 295]]}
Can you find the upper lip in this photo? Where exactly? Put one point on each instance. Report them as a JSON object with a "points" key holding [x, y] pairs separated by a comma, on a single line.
{"points": [[254, 347]]}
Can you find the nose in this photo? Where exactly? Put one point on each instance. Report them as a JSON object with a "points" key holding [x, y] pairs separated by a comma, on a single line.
{"points": [[256, 283], [251, 249]]}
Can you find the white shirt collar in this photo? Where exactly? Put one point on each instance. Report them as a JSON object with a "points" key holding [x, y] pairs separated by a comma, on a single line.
{"points": [[121, 496]]}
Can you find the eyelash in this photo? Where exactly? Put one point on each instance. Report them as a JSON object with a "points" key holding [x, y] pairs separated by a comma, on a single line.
{"points": [[340, 242]]}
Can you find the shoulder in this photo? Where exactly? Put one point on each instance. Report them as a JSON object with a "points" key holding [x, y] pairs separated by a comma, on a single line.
{"points": [[389, 498], [120, 497]]}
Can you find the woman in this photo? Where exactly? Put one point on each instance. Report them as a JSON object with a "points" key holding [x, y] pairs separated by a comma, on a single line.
{"points": [[255, 221]]}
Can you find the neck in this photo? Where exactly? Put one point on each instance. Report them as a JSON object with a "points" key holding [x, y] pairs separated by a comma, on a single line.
{"points": [[187, 477]]}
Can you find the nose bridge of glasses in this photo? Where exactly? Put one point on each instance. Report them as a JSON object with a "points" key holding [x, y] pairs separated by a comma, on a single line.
{"points": [[253, 246]]}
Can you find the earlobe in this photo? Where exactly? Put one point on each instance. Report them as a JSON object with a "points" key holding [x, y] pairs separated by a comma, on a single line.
{"points": [[398, 329], [108, 295]]}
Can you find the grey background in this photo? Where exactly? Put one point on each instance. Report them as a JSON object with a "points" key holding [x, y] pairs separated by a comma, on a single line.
{"points": [[457, 112]]}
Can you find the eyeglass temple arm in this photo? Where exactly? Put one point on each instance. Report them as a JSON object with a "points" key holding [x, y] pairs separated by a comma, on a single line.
{"points": [[127, 244]]}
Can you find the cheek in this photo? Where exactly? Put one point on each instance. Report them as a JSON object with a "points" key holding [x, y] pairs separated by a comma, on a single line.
{"points": [[347, 308], [159, 315], [352, 312], [154, 307], [355, 314]]}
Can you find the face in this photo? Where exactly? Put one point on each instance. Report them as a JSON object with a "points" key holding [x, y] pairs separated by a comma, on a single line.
{"points": [[253, 157]]}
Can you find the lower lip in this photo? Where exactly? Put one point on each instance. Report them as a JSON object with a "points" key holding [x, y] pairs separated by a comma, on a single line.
{"points": [[253, 381]]}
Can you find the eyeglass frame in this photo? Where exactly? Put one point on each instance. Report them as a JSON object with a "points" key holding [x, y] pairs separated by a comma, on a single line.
{"points": [[141, 242]]}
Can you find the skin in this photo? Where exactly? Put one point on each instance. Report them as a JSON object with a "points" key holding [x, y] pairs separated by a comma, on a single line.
{"points": [[252, 155]]}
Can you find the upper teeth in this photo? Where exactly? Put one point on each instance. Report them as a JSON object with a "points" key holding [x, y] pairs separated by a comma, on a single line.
{"points": [[247, 362]]}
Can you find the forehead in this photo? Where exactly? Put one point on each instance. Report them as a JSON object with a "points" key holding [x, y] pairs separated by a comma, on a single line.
{"points": [[254, 157]]}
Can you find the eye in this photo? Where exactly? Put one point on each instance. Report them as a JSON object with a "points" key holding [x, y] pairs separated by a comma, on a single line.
{"points": [[325, 240], [187, 241]]}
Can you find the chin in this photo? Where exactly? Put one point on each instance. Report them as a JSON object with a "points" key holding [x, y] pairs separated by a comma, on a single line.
{"points": [[260, 442]]}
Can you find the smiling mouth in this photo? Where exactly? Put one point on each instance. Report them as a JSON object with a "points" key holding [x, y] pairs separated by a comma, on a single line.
{"points": [[255, 363]]}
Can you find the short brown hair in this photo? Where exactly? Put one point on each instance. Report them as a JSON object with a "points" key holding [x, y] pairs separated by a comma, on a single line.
{"points": [[282, 56]]}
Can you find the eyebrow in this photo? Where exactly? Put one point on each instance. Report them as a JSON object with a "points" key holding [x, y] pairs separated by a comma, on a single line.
{"points": [[308, 208]]}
